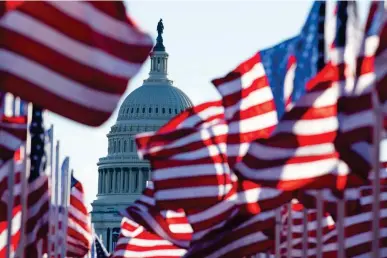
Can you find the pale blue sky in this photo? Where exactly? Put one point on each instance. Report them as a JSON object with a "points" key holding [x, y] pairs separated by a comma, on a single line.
{"points": [[205, 39]]}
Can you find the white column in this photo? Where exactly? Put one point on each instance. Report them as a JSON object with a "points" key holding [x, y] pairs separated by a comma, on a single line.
{"points": [[128, 181], [114, 180], [123, 178], [140, 183], [102, 180], [119, 181], [107, 177], [99, 181]]}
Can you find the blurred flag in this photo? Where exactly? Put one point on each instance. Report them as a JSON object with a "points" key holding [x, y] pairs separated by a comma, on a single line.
{"points": [[13, 134], [73, 58]]}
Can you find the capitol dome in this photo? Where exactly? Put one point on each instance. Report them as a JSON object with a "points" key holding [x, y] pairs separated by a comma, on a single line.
{"points": [[153, 102], [122, 175]]}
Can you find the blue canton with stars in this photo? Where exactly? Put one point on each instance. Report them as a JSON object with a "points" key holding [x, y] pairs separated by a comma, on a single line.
{"points": [[98, 249], [307, 47], [341, 24], [74, 181], [38, 155]]}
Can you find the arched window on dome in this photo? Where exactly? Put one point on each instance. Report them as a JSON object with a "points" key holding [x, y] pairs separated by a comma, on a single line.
{"points": [[138, 110], [157, 110], [143, 110], [150, 110], [163, 110], [170, 111], [125, 146], [114, 146], [131, 111], [119, 146], [127, 111], [175, 110]]}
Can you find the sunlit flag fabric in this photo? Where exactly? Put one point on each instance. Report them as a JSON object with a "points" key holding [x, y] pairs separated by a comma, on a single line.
{"points": [[359, 120], [74, 58], [79, 235], [245, 237], [301, 152], [260, 89], [38, 190], [187, 158], [135, 241], [170, 225]]}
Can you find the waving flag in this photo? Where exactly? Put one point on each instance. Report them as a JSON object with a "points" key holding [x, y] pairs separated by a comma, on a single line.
{"points": [[192, 179], [135, 241], [301, 153], [73, 58], [170, 225], [38, 190], [79, 235], [256, 93]]}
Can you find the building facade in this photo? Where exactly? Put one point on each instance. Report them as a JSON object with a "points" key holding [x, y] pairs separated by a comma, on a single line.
{"points": [[121, 174]]}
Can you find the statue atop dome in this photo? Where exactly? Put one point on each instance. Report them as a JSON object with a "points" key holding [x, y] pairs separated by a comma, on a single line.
{"points": [[160, 27], [159, 40]]}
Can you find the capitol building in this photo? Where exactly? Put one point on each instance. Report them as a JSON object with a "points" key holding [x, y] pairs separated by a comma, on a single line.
{"points": [[121, 174]]}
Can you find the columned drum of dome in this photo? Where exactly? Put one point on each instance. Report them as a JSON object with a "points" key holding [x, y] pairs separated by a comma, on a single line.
{"points": [[121, 174]]}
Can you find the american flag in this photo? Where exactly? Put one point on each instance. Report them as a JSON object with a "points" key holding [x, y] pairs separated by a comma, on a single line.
{"points": [[13, 134], [357, 229], [246, 237], [38, 190], [79, 54], [323, 153], [79, 234], [257, 93], [297, 213], [5, 172], [359, 120], [170, 225], [98, 250], [135, 241], [188, 181]]}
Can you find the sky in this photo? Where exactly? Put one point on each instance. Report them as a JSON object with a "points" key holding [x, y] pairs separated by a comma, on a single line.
{"points": [[205, 40]]}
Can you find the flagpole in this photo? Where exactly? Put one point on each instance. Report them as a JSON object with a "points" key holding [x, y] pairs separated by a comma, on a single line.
{"points": [[304, 233], [24, 186], [376, 181], [56, 200], [277, 233], [92, 240], [66, 203], [340, 228], [319, 223], [11, 182], [290, 234], [10, 186], [50, 207]]}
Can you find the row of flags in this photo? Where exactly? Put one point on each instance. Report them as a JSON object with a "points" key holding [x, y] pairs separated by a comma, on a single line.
{"points": [[285, 164]]}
